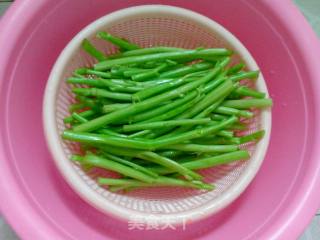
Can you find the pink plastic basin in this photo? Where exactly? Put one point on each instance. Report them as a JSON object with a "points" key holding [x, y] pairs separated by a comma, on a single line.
{"points": [[277, 205]]}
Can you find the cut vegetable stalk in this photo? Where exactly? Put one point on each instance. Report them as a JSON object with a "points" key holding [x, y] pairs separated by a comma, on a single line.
{"points": [[122, 44], [208, 162], [85, 71], [245, 91], [160, 181], [248, 103], [114, 107], [143, 76], [89, 48], [203, 148], [79, 118], [96, 92], [85, 114], [235, 68], [139, 134], [164, 124], [256, 136], [193, 54], [146, 51], [244, 75], [233, 111], [182, 71], [131, 164], [114, 166]]}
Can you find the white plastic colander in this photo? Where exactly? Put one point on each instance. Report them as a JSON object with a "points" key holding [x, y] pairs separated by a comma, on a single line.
{"points": [[150, 25]]}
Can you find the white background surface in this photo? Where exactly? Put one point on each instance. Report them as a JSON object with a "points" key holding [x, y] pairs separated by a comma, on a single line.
{"points": [[311, 9]]}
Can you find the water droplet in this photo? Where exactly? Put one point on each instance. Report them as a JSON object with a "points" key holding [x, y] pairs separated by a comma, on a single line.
{"points": [[272, 72]]}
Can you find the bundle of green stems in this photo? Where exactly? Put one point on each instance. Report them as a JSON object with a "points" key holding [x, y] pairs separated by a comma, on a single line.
{"points": [[157, 115]]}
